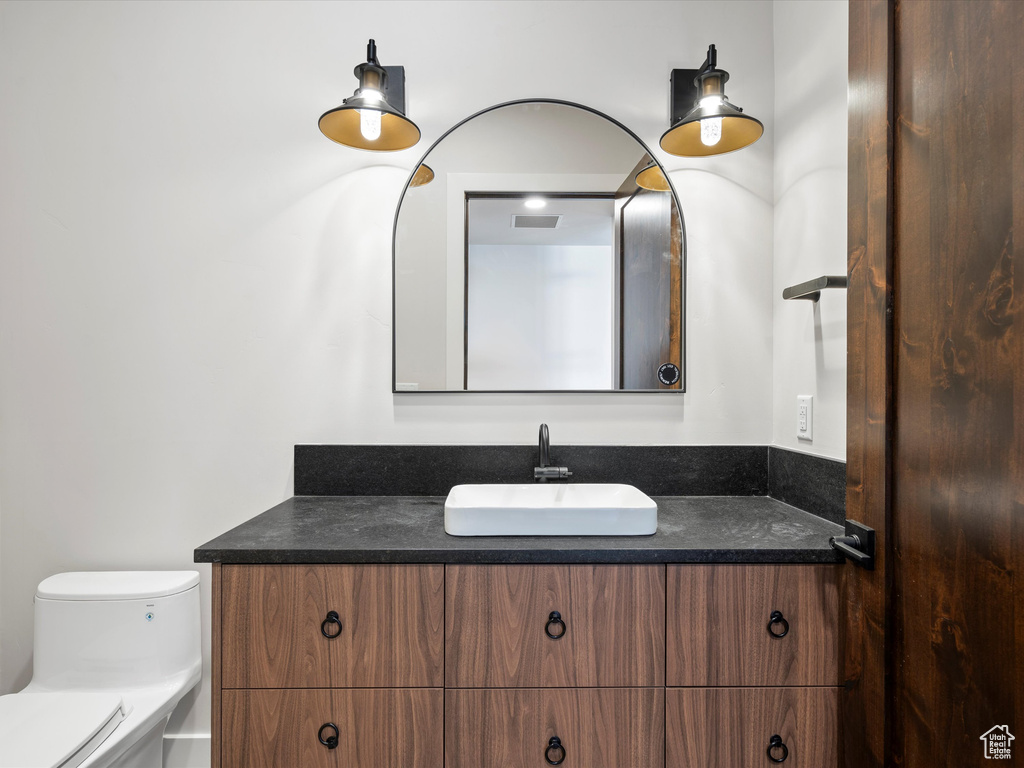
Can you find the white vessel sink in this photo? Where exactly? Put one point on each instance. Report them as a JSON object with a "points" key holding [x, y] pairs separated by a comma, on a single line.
{"points": [[553, 509]]}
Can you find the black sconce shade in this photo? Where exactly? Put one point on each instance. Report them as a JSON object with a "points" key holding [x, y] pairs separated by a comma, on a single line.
{"points": [[712, 125], [373, 117]]}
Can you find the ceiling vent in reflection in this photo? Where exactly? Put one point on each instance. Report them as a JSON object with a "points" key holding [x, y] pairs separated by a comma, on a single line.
{"points": [[535, 221]]}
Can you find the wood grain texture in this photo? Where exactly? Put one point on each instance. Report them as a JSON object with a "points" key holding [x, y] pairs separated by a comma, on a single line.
{"points": [[869, 419], [495, 617], [383, 728], [732, 727], [958, 504], [215, 668], [392, 626], [677, 312], [717, 625], [599, 727]]}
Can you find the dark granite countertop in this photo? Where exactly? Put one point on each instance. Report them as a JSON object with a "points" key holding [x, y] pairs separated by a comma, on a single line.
{"points": [[410, 529]]}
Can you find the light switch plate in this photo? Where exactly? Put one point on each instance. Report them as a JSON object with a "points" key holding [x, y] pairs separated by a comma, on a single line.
{"points": [[804, 417]]}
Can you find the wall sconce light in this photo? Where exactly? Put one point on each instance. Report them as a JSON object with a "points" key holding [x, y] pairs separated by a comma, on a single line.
{"points": [[374, 116], [704, 122], [652, 178]]}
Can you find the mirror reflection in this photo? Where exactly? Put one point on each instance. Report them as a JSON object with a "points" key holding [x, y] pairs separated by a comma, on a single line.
{"points": [[528, 258]]}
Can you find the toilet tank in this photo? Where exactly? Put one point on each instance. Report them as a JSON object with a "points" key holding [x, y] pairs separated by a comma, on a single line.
{"points": [[116, 630]]}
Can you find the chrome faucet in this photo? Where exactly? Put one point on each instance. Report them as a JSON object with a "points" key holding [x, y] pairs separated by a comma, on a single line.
{"points": [[544, 472]]}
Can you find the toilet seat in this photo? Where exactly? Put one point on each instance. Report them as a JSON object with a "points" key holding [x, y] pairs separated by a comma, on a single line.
{"points": [[55, 729]]}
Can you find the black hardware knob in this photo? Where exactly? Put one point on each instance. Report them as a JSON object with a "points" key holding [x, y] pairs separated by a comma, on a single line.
{"points": [[777, 620], [331, 740], [555, 620], [332, 620], [555, 753], [776, 744]]}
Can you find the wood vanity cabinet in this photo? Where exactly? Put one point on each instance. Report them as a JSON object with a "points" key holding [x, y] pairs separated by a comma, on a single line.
{"points": [[734, 727], [595, 727], [385, 631], [752, 665], [328, 665], [609, 619], [743, 625], [515, 666]]}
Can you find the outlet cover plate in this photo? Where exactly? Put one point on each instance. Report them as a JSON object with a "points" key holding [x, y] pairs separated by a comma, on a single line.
{"points": [[805, 417]]}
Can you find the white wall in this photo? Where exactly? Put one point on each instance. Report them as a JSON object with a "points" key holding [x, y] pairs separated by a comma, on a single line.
{"points": [[193, 279], [811, 43], [540, 316]]}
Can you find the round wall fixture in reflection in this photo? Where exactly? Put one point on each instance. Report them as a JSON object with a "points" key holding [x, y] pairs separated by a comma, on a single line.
{"points": [[653, 178], [424, 175]]}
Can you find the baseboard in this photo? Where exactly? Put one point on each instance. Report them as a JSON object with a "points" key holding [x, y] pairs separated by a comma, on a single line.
{"points": [[187, 751]]}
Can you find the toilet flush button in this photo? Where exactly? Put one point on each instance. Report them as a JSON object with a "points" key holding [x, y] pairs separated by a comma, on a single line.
{"points": [[149, 616]]}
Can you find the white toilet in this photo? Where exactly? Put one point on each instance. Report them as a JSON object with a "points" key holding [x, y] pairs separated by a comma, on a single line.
{"points": [[114, 654]]}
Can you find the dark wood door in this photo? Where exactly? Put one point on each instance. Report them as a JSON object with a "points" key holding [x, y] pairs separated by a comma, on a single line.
{"points": [[934, 638], [865, 595], [958, 489]]}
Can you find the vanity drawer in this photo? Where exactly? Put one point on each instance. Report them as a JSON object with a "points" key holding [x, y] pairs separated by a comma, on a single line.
{"points": [[596, 727], [389, 626], [733, 727], [719, 633], [498, 619], [383, 728]]}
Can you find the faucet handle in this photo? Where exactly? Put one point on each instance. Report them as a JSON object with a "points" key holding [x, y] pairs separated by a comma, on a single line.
{"points": [[551, 473]]}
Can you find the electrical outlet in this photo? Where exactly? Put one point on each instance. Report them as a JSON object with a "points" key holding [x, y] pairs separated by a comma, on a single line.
{"points": [[804, 416]]}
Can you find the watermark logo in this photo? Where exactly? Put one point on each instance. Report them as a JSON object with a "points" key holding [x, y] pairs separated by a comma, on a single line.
{"points": [[997, 743]]}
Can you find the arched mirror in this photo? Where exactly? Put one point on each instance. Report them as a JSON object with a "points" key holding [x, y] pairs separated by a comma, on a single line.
{"points": [[539, 247]]}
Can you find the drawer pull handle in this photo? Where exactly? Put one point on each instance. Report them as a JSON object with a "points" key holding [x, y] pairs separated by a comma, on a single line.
{"points": [[778, 618], [555, 753], [330, 741], [555, 620], [332, 618], [776, 743]]}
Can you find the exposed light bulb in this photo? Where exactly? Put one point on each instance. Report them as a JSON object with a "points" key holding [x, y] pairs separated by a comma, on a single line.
{"points": [[369, 119], [710, 127], [535, 202], [710, 131], [369, 124]]}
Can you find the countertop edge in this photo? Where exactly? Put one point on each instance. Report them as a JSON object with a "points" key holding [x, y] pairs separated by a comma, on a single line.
{"points": [[502, 557], [281, 535]]}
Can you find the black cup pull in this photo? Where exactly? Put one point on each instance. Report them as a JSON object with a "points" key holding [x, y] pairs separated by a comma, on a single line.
{"points": [[332, 620], [331, 740], [776, 744], [555, 753], [555, 620], [777, 620]]}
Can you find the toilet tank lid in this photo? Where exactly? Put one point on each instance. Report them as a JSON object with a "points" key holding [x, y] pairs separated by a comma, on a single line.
{"points": [[116, 585]]}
